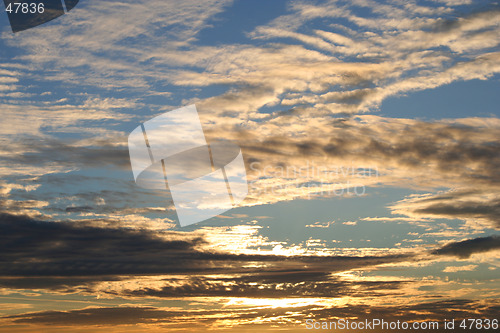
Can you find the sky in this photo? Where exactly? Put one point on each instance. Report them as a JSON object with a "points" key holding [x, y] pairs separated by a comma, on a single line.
{"points": [[370, 134]]}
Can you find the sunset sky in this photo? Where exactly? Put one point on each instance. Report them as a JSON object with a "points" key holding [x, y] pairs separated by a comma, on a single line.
{"points": [[370, 132]]}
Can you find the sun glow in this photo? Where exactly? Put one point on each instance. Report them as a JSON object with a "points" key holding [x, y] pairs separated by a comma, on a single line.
{"points": [[279, 302]]}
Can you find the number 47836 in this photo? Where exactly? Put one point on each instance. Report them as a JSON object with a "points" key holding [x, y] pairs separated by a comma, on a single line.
{"points": [[479, 324], [25, 8]]}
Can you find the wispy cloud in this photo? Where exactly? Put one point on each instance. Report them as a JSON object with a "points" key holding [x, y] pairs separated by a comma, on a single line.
{"points": [[161, 318], [293, 93], [464, 249], [454, 269]]}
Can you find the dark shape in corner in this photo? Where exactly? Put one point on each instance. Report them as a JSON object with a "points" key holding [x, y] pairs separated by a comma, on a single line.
{"points": [[36, 13], [70, 4]]}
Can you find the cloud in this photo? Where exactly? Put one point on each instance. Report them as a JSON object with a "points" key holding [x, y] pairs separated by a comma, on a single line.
{"points": [[96, 316], [225, 319], [97, 32], [68, 153], [33, 119], [69, 253], [336, 158], [320, 70], [372, 151], [75, 249], [466, 248], [278, 93], [472, 204], [454, 269], [402, 52]]}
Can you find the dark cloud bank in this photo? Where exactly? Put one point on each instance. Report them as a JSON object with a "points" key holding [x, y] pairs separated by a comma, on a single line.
{"points": [[62, 255], [466, 248], [73, 257], [430, 311]]}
